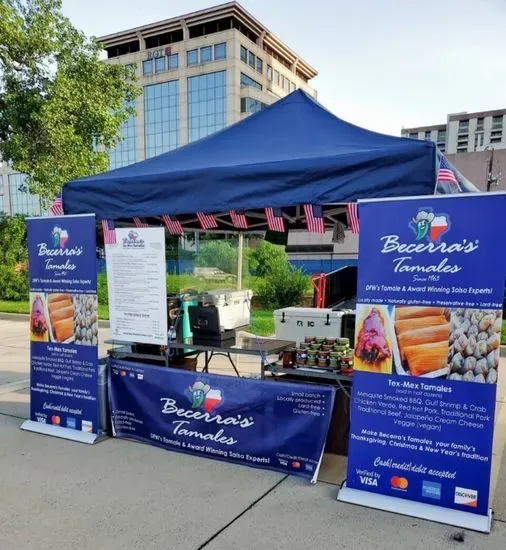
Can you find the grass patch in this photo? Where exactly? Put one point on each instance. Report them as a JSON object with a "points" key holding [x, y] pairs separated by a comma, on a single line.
{"points": [[262, 322], [503, 333], [6, 306]]}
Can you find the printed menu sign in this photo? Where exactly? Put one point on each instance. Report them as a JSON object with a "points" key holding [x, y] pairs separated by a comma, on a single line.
{"points": [[63, 322], [136, 277], [428, 328]]}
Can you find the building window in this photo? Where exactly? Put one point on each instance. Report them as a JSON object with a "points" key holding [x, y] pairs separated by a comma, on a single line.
{"points": [[269, 72], [462, 149], [220, 51], [21, 200], [276, 77], [207, 104], [192, 57], [2, 208], [478, 140], [260, 66], [161, 117], [497, 121], [463, 126], [173, 61], [441, 136], [479, 124], [159, 64], [147, 67], [250, 105], [206, 54], [244, 54], [125, 151], [413, 135], [247, 81], [287, 85], [427, 134], [251, 60]]}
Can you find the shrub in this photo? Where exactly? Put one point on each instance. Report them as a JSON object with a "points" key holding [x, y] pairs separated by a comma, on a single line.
{"points": [[103, 296], [284, 286], [13, 240], [264, 258], [13, 283]]}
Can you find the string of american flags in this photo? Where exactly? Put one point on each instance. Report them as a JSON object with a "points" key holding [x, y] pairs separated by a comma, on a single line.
{"points": [[446, 182], [314, 216]]}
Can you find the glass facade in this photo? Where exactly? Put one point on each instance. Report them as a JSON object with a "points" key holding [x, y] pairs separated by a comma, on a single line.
{"points": [[250, 105], [247, 81], [192, 57], [161, 117], [269, 72], [21, 200], [207, 104], [220, 51], [147, 67], [159, 64], [125, 151], [260, 65], [244, 54], [173, 61], [206, 54]]}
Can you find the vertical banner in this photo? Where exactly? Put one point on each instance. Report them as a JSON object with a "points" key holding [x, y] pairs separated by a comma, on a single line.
{"points": [[136, 276], [63, 327], [276, 426], [429, 316]]}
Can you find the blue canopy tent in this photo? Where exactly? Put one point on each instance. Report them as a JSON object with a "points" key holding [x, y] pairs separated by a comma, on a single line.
{"points": [[292, 153]]}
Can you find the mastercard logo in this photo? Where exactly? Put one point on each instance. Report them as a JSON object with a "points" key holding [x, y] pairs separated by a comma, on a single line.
{"points": [[55, 419], [399, 483], [295, 464]]}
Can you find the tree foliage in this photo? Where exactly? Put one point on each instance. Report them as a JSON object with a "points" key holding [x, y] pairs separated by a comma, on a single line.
{"points": [[61, 107]]}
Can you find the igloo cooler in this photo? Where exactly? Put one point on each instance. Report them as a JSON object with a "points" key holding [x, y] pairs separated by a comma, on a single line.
{"points": [[294, 323]]}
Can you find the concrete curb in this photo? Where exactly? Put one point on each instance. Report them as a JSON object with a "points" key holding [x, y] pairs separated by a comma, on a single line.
{"points": [[102, 323]]}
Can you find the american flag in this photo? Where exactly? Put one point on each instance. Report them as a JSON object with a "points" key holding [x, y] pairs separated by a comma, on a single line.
{"points": [[446, 174], [207, 221], [139, 223], [109, 232], [314, 218], [173, 226], [57, 206], [275, 220], [353, 223], [238, 219]]}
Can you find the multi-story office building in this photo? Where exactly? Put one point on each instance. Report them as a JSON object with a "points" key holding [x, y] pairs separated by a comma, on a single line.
{"points": [[198, 72], [465, 132], [467, 139]]}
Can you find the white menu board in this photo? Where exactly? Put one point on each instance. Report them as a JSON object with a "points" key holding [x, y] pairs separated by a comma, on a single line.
{"points": [[136, 277]]}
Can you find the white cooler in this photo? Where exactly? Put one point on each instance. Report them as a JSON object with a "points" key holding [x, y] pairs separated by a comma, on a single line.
{"points": [[234, 306], [294, 323]]}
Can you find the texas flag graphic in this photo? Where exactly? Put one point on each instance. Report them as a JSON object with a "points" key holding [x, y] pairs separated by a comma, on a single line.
{"points": [[438, 226], [212, 400]]}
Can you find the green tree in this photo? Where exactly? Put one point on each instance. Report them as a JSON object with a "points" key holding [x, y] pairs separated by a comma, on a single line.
{"points": [[220, 253], [60, 106]]}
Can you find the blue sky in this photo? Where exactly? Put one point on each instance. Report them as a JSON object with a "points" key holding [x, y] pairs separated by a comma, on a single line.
{"points": [[382, 63]]}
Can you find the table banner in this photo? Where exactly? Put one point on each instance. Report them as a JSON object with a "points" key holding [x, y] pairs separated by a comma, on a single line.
{"points": [[63, 324], [272, 425], [431, 279]]}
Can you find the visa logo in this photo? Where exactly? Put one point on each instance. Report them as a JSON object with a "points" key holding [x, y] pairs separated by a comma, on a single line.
{"points": [[368, 481]]}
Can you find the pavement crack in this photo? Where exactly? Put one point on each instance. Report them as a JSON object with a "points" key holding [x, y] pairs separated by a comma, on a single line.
{"points": [[12, 416], [234, 519]]}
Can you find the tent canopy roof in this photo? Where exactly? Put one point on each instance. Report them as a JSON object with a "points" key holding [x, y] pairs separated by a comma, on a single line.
{"points": [[291, 153]]}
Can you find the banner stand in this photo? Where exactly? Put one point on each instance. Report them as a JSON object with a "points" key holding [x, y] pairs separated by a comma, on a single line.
{"points": [[415, 509], [64, 433]]}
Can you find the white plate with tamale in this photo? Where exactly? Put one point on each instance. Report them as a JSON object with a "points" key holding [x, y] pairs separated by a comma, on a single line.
{"points": [[421, 341]]}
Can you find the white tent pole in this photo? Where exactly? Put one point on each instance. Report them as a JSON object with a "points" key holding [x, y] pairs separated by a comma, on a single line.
{"points": [[239, 261]]}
